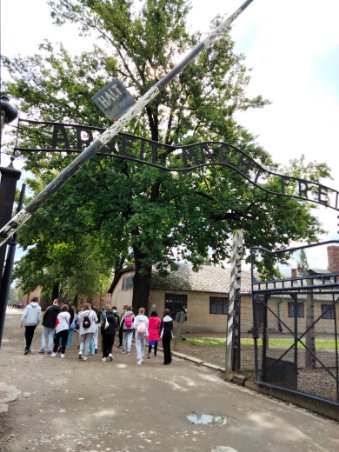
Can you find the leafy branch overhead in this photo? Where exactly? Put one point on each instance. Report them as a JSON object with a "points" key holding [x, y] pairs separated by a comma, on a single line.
{"points": [[129, 213]]}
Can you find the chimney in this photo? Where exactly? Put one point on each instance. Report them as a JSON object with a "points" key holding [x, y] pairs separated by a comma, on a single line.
{"points": [[333, 259], [294, 272]]}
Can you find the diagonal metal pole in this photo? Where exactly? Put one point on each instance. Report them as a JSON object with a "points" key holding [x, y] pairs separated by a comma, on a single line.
{"points": [[25, 214]]}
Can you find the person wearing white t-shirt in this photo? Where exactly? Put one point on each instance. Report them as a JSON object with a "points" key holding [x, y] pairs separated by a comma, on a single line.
{"points": [[61, 331]]}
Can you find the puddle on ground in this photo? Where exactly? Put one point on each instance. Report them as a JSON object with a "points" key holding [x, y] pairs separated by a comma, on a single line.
{"points": [[207, 419]]}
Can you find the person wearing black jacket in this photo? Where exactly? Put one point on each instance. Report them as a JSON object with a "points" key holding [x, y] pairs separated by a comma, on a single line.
{"points": [[124, 309], [48, 327], [166, 336], [108, 328], [117, 321]]}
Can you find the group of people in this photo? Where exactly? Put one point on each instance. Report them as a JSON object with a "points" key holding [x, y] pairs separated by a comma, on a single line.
{"points": [[58, 326], [144, 329], [60, 322]]}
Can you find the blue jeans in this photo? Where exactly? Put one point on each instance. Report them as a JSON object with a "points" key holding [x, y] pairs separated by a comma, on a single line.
{"points": [[140, 342], [70, 337], [127, 340], [47, 336], [85, 341]]}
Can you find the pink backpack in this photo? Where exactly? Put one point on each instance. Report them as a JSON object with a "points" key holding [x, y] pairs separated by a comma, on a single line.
{"points": [[128, 321], [141, 327]]}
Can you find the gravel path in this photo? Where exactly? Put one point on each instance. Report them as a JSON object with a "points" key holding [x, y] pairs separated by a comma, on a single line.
{"points": [[67, 405]]}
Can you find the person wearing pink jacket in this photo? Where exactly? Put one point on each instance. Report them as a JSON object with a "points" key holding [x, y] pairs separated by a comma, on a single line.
{"points": [[154, 323]]}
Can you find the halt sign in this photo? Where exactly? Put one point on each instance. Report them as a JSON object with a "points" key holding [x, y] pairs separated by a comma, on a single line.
{"points": [[113, 99]]}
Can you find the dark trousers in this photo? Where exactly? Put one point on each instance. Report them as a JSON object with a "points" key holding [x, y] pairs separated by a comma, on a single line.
{"points": [[155, 349], [166, 345], [107, 344], [120, 337], [29, 333], [63, 336]]}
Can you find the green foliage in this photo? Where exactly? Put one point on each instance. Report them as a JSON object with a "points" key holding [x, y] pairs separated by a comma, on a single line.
{"points": [[115, 212]]}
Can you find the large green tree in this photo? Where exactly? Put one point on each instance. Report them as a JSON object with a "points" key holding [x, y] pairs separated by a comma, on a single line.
{"points": [[136, 213]]}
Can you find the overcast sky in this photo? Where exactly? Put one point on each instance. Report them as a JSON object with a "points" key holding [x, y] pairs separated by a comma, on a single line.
{"points": [[292, 47]]}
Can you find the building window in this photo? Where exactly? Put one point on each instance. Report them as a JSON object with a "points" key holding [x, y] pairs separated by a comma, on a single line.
{"points": [[175, 303], [219, 305], [327, 311], [291, 309], [127, 283]]}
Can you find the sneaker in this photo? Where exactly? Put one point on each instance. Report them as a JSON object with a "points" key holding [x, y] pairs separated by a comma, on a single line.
{"points": [[49, 352], [53, 355], [27, 351], [42, 352], [148, 356], [84, 358], [59, 350], [80, 355], [96, 351], [104, 360], [110, 357], [62, 356], [139, 362]]}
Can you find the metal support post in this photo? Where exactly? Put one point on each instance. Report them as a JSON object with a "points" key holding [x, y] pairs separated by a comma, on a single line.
{"points": [[7, 275], [9, 178], [232, 359]]}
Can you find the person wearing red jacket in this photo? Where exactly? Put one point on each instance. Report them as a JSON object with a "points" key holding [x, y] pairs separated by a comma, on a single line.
{"points": [[154, 323]]}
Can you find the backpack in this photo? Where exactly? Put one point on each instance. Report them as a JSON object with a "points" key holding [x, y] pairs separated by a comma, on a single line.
{"points": [[128, 321], [141, 329], [86, 323]]}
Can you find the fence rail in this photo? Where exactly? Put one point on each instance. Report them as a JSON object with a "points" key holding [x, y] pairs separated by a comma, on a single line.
{"points": [[295, 330]]}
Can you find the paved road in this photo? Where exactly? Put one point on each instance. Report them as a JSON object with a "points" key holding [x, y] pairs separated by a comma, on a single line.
{"points": [[74, 406]]}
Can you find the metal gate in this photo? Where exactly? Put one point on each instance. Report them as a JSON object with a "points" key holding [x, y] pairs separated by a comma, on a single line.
{"points": [[295, 330]]}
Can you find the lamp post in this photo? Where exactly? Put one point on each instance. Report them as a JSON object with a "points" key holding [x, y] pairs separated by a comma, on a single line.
{"points": [[8, 114], [8, 176], [8, 179]]}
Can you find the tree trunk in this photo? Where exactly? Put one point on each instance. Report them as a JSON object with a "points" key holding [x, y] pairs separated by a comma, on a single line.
{"points": [[141, 283], [143, 273], [55, 290]]}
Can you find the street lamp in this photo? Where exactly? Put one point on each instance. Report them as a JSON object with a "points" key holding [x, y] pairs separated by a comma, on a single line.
{"points": [[8, 114], [8, 179]]}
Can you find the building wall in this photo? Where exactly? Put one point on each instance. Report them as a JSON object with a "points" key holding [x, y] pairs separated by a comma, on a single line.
{"points": [[26, 298], [279, 308], [100, 301], [120, 296], [199, 318]]}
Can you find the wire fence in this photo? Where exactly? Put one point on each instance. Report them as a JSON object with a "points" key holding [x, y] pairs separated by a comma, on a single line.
{"points": [[295, 333]]}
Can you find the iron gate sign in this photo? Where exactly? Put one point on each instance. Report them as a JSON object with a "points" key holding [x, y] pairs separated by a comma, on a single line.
{"points": [[113, 99], [62, 137]]}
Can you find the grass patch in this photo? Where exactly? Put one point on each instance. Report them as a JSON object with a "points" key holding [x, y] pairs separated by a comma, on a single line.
{"points": [[273, 342], [202, 341]]}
